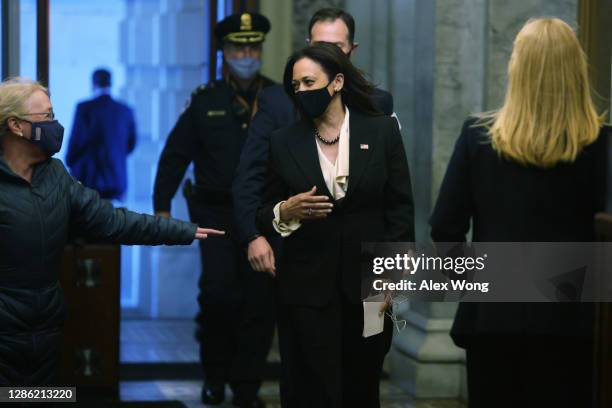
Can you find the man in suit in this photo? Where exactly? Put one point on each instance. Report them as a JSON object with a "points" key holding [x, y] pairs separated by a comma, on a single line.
{"points": [[236, 319], [103, 134], [275, 110]]}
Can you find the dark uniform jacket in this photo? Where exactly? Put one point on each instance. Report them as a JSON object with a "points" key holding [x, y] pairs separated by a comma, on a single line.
{"points": [[103, 134], [35, 222], [210, 133], [275, 111], [324, 255], [509, 202]]}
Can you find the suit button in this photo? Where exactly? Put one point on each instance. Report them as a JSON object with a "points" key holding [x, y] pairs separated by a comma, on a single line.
{"points": [[244, 125]]}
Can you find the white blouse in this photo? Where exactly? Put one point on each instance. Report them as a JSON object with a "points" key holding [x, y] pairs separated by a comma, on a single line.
{"points": [[336, 177]]}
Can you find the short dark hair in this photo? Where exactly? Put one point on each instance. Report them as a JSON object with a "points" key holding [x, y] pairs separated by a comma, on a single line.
{"points": [[357, 90], [332, 14], [101, 78]]}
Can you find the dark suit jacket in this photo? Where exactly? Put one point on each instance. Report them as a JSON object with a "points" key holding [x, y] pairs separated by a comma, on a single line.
{"points": [[275, 111], [325, 254], [103, 134], [508, 202]]}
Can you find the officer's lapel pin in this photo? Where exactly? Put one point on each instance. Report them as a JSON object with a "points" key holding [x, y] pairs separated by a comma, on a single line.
{"points": [[364, 146]]}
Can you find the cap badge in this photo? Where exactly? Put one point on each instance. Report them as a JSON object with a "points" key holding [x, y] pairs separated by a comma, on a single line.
{"points": [[246, 22]]}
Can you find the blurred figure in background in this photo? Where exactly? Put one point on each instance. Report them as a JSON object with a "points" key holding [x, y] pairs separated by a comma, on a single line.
{"points": [[236, 319], [103, 134]]}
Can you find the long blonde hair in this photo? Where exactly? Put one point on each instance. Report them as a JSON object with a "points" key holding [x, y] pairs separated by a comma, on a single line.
{"points": [[548, 115], [14, 96]]}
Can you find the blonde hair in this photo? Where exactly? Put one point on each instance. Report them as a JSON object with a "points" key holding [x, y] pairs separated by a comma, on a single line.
{"points": [[548, 115], [14, 96]]}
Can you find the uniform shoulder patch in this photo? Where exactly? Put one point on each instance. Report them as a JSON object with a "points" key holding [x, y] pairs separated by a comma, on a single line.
{"points": [[200, 89]]}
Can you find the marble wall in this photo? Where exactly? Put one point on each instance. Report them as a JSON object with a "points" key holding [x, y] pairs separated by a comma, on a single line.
{"points": [[459, 70], [279, 41], [505, 19]]}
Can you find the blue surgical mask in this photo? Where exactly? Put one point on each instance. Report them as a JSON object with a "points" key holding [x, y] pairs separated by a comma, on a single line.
{"points": [[244, 68], [48, 136]]}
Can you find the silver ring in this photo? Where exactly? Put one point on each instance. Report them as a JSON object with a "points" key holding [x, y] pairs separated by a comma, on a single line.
{"points": [[310, 211]]}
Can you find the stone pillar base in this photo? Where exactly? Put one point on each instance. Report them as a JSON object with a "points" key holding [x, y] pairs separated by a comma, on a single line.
{"points": [[424, 362]]}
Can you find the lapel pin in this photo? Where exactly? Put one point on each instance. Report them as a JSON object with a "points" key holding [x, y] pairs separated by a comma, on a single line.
{"points": [[364, 146]]}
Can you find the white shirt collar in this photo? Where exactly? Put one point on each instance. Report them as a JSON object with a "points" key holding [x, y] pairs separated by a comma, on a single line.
{"points": [[336, 174]]}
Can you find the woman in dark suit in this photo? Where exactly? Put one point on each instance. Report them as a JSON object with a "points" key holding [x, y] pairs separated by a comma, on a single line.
{"points": [[532, 171], [348, 164]]}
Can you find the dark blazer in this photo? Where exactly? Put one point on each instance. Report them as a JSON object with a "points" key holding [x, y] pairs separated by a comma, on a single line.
{"points": [[275, 111], [509, 202], [378, 206], [103, 134]]}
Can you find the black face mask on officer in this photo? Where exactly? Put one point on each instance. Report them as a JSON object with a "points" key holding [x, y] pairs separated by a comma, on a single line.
{"points": [[314, 103]]}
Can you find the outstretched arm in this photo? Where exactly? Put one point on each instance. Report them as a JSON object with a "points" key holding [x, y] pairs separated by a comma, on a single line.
{"points": [[96, 219]]}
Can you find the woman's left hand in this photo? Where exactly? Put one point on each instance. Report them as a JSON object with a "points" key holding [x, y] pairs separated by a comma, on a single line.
{"points": [[203, 233], [387, 303]]}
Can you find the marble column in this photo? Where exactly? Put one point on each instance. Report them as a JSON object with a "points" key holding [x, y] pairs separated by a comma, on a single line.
{"points": [[164, 50], [279, 41], [505, 20]]}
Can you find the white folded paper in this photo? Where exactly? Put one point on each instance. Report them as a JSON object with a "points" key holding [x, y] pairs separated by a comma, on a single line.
{"points": [[373, 319]]}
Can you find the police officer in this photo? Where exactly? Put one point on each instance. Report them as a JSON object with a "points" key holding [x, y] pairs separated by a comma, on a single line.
{"points": [[236, 318]]}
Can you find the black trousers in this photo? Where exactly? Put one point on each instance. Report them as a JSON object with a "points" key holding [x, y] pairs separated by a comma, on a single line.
{"points": [[30, 359], [237, 310], [526, 372], [30, 335], [330, 364]]}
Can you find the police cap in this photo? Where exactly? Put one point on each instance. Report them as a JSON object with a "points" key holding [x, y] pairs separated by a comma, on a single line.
{"points": [[242, 28]]}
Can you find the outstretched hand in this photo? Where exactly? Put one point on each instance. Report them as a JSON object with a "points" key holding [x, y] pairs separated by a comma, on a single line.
{"points": [[203, 233]]}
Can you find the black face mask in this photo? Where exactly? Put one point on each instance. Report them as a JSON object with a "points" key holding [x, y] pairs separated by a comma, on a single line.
{"points": [[314, 103], [48, 136]]}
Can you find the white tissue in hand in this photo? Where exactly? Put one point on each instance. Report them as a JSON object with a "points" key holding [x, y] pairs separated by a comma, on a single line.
{"points": [[373, 319]]}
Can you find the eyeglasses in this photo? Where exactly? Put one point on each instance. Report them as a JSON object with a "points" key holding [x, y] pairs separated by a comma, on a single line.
{"points": [[47, 115]]}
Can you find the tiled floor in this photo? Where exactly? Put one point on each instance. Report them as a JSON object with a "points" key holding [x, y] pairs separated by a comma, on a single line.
{"points": [[172, 341], [158, 341], [163, 341], [189, 393]]}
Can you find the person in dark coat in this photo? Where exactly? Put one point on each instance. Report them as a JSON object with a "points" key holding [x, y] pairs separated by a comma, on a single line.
{"points": [[349, 161], [532, 171], [236, 319], [40, 206], [328, 25], [103, 135]]}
